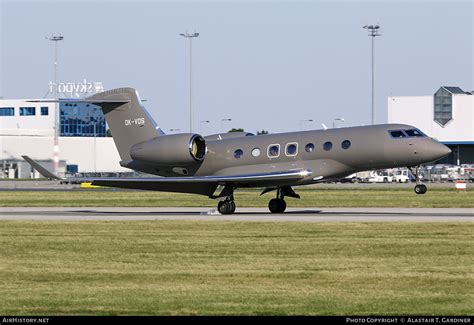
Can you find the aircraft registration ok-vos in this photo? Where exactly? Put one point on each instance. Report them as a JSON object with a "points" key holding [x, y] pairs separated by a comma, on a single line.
{"points": [[217, 165]]}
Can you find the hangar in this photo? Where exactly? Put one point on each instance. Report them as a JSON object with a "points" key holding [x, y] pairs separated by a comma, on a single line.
{"points": [[447, 115]]}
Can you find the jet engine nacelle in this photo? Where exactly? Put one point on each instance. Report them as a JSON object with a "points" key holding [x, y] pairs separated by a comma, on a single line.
{"points": [[171, 150]]}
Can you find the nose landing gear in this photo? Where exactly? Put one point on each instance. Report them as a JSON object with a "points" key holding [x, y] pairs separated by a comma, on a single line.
{"points": [[419, 187]]}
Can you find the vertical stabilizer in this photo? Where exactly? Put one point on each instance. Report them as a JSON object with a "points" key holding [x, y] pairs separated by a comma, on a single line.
{"points": [[129, 121]]}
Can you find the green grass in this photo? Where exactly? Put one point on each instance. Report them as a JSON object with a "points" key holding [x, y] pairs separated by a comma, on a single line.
{"points": [[208, 268], [322, 197]]}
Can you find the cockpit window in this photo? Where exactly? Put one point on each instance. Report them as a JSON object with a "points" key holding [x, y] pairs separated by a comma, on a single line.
{"points": [[415, 133], [397, 134]]}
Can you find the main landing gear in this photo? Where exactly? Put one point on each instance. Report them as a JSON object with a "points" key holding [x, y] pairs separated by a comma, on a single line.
{"points": [[278, 205], [419, 187], [227, 206]]}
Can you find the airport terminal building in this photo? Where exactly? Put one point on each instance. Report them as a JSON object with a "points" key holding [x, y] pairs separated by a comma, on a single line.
{"points": [[448, 116], [27, 128]]}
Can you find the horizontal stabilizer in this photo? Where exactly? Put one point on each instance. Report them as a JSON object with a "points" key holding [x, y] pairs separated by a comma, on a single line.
{"points": [[43, 171]]}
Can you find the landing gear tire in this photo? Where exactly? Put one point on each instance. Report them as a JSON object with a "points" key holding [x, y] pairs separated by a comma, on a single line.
{"points": [[277, 205], [226, 207], [420, 189]]}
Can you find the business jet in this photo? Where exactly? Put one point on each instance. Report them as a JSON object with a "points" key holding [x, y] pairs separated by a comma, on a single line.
{"points": [[217, 165]]}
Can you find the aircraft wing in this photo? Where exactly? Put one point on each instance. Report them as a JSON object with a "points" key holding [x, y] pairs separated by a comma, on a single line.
{"points": [[205, 185]]}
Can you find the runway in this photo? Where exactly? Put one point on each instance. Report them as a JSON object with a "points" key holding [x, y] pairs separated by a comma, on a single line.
{"points": [[242, 214]]}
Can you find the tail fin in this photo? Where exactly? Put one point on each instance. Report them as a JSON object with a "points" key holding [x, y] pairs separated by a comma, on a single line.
{"points": [[128, 120]]}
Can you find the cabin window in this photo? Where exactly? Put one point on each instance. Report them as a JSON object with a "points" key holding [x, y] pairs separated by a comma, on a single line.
{"points": [[309, 147], [415, 133], [346, 144], [292, 149], [238, 153], [256, 152], [327, 146], [273, 150]]}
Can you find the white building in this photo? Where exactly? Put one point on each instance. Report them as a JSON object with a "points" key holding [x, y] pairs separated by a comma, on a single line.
{"points": [[448, 116], [27, 128]]}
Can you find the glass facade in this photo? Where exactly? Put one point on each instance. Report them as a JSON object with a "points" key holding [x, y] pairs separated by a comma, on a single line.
{"points": [[81, 120]]}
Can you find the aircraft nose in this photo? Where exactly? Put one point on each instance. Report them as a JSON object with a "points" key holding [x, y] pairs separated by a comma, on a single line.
{"points": [[444, 150], [437, 150]]}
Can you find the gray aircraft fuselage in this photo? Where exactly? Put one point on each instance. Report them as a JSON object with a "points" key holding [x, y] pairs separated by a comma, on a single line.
{"points": [[371, 147]]}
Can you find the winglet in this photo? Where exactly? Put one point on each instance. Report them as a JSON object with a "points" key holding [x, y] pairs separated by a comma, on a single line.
{"points": [[43, 171]]}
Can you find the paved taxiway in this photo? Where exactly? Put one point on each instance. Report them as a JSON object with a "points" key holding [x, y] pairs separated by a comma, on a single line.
{"points": [[242, 214]]}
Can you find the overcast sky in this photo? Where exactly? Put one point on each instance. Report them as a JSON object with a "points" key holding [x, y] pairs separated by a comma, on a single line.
{"points": [[265, 64]]}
